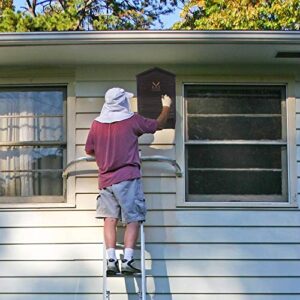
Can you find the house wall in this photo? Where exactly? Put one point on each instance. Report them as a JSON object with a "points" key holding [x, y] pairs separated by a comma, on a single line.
{"points": [[192, 253]]}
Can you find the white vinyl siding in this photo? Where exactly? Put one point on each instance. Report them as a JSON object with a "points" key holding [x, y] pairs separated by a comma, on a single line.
{"points": [[297, 95], [192, 253]]}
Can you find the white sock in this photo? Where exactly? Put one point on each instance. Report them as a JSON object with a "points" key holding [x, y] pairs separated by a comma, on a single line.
{"points": [[111, 253], [128, 254]]}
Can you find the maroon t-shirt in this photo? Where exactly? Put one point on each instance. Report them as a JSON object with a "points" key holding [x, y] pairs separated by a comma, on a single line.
{"points": [[115, 147]]}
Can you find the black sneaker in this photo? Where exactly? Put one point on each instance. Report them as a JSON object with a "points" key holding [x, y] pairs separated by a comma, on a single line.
{"points": [[127, 267], [112, 267]]}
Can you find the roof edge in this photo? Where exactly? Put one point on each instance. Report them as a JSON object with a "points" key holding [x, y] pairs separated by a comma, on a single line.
{"points": [[151, 37]]}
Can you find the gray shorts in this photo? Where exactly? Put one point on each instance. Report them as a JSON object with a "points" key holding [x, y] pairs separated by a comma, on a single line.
{"points": [[124, 201]]}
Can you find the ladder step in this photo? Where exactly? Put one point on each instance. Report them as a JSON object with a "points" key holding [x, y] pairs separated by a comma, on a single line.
{"points": [[124, 275]]}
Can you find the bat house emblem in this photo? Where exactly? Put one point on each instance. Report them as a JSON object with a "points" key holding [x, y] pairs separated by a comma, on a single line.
{"points": [[156, 86]]}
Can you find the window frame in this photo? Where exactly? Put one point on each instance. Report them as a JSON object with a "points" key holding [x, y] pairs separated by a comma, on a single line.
{"points": [[63, 200], [291, 170]]}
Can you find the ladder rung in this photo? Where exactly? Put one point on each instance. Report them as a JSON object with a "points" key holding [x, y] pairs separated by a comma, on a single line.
{"points": [[125, 275]]}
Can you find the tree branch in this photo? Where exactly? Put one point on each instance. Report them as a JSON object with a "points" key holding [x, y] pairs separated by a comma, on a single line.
{"points": [[63, 4], [31, 8], [42, 2], [82, 12]]}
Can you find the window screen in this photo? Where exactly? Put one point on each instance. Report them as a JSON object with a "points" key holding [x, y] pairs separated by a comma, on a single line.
{"points": [[236, 148]]}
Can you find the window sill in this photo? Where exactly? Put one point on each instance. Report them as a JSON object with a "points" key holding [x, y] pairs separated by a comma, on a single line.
{"points": [[34, 202], [235, 204]]}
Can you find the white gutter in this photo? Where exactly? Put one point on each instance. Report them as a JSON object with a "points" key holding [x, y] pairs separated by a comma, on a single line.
{"points": [[151, 37]]}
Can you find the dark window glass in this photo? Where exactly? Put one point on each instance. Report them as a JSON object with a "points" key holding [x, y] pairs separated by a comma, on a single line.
{"points": [[234, 128], [235, 182], [233, 100], [219, 116], [235, 156]]}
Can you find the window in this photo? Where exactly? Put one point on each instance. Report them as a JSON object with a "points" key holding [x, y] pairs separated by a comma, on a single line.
{"points": [[32, 144], [236, 143]]}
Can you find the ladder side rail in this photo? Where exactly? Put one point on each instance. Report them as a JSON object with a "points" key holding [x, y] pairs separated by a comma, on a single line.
{"points": [[143, 268], [105, 292]]}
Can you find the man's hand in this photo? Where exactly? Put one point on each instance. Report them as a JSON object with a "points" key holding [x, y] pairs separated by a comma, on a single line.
{"points": [[166, 100]]}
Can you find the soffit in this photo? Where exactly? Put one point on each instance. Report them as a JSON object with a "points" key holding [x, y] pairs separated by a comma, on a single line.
{"points": [[38, 49]]}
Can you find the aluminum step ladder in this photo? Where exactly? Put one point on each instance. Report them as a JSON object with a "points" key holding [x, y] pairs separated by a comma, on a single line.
{"points": [[142, 286]]}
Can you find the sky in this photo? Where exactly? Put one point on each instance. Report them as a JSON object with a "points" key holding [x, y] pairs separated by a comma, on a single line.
{"points": [[168, 20]]}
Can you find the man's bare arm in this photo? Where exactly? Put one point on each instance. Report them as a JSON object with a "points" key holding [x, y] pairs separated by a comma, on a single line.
{"points": [[165, 112]]}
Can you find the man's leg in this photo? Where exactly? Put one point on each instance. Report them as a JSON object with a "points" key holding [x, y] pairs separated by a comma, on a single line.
{"points": [[130, 237], [131, 234], [110, 232], [131, 200]]}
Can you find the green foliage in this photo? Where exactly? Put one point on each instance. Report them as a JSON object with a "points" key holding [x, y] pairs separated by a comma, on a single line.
{"points": [[62, 15], [6, 4], [240, 15], [18, 22]]}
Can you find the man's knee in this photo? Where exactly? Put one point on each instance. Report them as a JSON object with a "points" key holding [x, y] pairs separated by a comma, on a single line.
{"points": [[109, 220]]}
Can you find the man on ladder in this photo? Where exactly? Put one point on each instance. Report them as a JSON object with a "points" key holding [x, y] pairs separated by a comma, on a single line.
{"points": [[113, 141]]}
